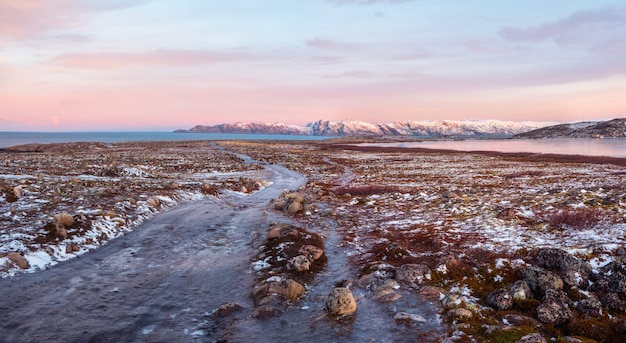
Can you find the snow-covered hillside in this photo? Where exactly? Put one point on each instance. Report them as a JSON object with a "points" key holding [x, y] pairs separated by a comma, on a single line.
{"points": [[360, 128]]}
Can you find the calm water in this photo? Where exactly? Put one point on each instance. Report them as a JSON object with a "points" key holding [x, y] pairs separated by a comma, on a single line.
{"points": [[615, 147], [8, 139]]}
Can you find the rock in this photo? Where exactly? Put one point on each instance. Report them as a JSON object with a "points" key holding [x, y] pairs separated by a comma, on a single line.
{"points": [[500, 299], [413, 273], [340, 302], [540, 280], [520, 290], [18, 191], [459, 314], [289, 289], [209, 189], [386, 292], [590, 307], [64, 219], [452, 300], [71, 247], [60, 231], [293, 290], [613, 302], [408, 318], [153, 202], [532, 338], [266, 311], [554, 308], [298, 264], [280, 204], [573, 271], [294, 207], [311, 251], [226, 310], [432, 293], [274, 232], [21, 262]]}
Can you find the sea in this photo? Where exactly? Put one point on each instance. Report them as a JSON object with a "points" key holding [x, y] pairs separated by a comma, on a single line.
{"points": [[9, 139], [612, 147]]}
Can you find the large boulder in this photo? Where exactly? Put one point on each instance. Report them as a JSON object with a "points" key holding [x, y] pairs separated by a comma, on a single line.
{"points": [[554, 308], [590, 307], [340, 302], [540, 280], [573, 271]]}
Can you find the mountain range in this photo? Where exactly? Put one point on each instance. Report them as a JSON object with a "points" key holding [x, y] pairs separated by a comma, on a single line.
{"points": [[441, 128], [587, 129]]}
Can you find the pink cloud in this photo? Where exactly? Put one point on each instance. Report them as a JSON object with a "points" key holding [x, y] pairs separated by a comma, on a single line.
{"points": [[153, 58], [31, 18], [601, 30], [327, 44]]}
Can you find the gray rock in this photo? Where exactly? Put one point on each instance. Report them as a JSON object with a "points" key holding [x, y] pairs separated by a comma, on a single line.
{"points": [[408, 318], [340, 302], [459, 314], [540, 280], [299, 263], [590, 307], [500, 299], [554, 308], [413, 273], [573, 271], [266, 311], [532, 338], [226, 310]]}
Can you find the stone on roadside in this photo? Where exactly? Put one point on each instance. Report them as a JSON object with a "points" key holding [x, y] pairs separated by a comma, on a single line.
{"points": [[64, 219], [266, 311], [387, 292], [18, 191], [226, 310], [340, 301], [293, 290], [413, 273], [408, 318], [311, 251], [153, 202], [21, 262], [298, 264], [71, 247], [294, 207]]}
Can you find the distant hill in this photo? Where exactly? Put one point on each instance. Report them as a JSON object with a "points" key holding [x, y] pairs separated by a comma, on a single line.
{"points": [[441, 128], [588, 129]]}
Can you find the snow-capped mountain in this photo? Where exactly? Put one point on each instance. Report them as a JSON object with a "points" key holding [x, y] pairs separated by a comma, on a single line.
{"points": [[359, 128]]}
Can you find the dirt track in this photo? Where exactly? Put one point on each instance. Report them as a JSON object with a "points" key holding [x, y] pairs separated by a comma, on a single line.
{"points": [[159, 283]]}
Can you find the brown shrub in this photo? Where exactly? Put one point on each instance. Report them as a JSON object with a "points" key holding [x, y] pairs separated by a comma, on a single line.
{"points": [[581, 218], [366, 190]]}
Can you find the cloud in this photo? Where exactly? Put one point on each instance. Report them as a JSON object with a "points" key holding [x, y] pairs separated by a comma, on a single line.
{"points": [[20, 19], [153, 58], [366, 2], [600, 30], [327, 44]]}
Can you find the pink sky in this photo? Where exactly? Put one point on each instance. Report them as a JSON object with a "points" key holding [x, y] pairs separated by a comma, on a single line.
{"points": [[76, 65]]}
